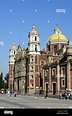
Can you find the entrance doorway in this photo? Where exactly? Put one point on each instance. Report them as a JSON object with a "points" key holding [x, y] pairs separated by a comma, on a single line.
{"points": [[46, 87], [54, 88], [18, 84]]}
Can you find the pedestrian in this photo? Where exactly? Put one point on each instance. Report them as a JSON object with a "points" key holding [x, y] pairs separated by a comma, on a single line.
{"points": [[46, 94], [15, 93], [8, 93]]}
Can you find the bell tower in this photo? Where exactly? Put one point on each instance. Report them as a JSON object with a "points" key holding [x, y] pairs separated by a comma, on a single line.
{"points": [[11, 66], [33, 59], [34, 42]]}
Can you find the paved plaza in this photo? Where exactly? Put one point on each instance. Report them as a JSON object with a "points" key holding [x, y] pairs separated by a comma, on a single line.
{"points": [[33, 102]]}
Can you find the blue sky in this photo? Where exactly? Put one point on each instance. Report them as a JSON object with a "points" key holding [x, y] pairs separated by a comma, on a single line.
{"points": [[18, 16]]}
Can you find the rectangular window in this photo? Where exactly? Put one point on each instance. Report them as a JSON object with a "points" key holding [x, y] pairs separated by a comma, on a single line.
{"points": [[35, 47], [31, 67], [32, 59], [63, 70], [46, 73], [14, 52], [53, 72], [49, 47], [63, 82], [32, 76]]}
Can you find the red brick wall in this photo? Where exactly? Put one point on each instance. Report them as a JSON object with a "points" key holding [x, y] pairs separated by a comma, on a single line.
{"points": [[36, 68], [37, 82]]}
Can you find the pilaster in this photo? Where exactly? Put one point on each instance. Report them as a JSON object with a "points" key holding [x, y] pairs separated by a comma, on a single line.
{"points": [[68, 75], [58, 78], [49, 78]]}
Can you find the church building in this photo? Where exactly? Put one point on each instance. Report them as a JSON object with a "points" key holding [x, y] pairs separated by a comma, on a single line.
{"points": [[33, 70]]}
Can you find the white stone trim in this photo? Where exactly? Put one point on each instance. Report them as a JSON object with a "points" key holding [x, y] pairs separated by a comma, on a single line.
{"points": [[57, 42]]}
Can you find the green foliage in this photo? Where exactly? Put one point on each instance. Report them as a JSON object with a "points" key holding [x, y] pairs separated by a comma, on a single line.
{"points": [[1, 80], [4, 84], [7, 80]]}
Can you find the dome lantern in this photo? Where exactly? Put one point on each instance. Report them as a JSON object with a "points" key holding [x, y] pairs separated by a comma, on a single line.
{"points": [[57, 37], [57, 30]]}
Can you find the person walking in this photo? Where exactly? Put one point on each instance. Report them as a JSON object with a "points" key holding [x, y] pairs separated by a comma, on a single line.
{"points": [[15, 93], [46, 94], [8, 93]]}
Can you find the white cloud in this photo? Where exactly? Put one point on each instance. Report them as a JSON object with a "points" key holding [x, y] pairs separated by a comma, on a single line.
{"points": [[23, 21], [23, 43], [10, 32], [1, 43], [48, 21], [35, 10], [10, 10]]}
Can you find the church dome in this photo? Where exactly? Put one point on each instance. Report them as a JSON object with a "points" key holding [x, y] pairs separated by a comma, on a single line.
{"points": [[57, 36], [13, 46]]}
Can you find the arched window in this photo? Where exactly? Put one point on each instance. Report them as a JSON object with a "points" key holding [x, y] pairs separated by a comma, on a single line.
{"points": [[35, 38], [42, 63], [14, 52]]}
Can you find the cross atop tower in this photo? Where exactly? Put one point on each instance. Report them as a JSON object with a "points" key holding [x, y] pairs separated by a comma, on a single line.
{"points": [[56, 25], [34, 28]]}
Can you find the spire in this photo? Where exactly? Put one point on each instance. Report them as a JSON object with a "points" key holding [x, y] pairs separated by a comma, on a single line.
{"points": [[33, 27], [56, 25], [57, 30]]}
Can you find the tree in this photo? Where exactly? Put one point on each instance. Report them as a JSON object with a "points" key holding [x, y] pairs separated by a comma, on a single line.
{"points": [[7, 79], [1, 80]]}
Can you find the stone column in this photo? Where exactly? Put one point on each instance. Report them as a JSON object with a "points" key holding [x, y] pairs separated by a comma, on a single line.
{"points": [[68, 75], [58, 79], [43, 79], [49, 79]]}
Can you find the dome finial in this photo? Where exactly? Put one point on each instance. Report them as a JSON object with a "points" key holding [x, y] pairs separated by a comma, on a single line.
{"points": [[34, 28], [56, 25], [57, 29], [13, 43]]}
